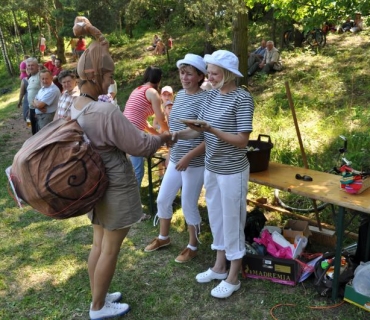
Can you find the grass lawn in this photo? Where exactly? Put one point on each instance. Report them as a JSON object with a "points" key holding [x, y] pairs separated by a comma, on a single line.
{"points": [[43, 270]]}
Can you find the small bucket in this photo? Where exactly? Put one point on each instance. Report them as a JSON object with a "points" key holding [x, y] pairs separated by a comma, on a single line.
{"points": [[259, 159]]}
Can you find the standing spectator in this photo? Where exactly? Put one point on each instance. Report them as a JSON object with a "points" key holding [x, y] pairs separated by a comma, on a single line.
{"points": [[111, 96], [120, 207], [166, 94], [55, 73], [271, 61], [80, 47], [73, 43], [51, 63], [143, 102], [46, 100], [33, 88], [228, 112], [186, 167], [23, 101], [258, 54], [23, 68], [42, 45], [70, 92]]}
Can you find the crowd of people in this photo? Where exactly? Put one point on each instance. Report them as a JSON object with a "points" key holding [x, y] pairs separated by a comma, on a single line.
{"points": [[206, 148]]}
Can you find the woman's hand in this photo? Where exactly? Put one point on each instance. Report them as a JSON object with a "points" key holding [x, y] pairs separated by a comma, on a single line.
{"points": [[183, 163]]}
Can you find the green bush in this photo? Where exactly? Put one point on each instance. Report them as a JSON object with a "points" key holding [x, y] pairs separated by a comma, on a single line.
{"points": [[117, 39]]}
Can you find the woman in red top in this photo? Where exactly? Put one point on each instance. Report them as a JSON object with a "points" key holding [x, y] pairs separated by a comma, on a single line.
{"points": [[80, 46], [144, 102]]}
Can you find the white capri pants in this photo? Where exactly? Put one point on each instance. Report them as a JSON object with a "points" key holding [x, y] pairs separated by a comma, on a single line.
{"points": [[226, 197], [191, 182]]}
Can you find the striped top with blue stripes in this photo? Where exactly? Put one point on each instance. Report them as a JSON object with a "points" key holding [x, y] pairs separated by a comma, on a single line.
{"points": [[233, 113], [186, 106]]}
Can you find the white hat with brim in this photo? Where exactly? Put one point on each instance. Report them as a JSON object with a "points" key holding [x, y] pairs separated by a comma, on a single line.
{"points": [[193, 60], [224, 59], [167, 89]]}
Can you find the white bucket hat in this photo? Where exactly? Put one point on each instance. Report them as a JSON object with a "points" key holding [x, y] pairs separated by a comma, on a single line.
{"points": [[224, 59], [167, 89], [195, 61]]}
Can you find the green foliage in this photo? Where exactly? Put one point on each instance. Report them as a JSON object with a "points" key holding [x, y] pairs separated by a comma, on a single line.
{"points": [[117, 39]]}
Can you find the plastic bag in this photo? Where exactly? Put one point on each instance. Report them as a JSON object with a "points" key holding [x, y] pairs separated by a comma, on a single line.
{"points": [[274, 248], [361, 281]]}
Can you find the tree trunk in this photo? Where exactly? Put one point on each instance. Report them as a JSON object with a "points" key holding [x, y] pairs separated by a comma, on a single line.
{"points": [[16, 30], [4, 51], [30, 33], [240, 43], [208, 46]]}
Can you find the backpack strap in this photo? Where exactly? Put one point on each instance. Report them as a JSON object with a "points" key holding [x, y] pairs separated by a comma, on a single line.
{"points": [[84, 109]]}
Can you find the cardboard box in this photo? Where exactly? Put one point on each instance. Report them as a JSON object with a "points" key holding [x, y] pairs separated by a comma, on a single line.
{"points": [[296, 227], [358, 299], [284, 271]]}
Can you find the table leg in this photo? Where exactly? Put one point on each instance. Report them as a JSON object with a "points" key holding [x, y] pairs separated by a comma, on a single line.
{"points": [[367, 252], [338, 252], [150, 187]]}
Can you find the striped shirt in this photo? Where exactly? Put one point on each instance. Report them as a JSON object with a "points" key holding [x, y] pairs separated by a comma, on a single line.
{"points": [[138, 108], [233, 113], [186, 106]]}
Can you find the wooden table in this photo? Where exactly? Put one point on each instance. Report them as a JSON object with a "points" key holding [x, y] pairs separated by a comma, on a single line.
{"points": [[153, 162], [324, 187]]}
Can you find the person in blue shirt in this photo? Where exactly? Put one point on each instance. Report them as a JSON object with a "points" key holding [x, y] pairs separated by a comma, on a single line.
{"points": [[257, 55]]}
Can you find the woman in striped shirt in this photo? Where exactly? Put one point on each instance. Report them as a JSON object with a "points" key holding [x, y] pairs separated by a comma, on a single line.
{"points": [[228, 114], [143, 102], [186, 168]]}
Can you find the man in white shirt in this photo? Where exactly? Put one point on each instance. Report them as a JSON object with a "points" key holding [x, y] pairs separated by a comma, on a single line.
{"points": [[32, 89], [271, 61], [46, 100]]}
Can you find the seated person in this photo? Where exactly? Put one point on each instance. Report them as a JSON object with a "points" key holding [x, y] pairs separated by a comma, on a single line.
{"points": [[271, 61], [357, 24], [257, 55], [328, 26], [160, 48], [154, 44], [346, 26]]}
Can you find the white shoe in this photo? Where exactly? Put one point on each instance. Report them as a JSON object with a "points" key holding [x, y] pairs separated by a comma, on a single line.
{"points": [[210, 275], [113, 297], [225, 289], [109, 310]]}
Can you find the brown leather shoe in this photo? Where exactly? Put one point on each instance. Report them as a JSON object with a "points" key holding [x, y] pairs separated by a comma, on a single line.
{"points": [[186, 255], [156, 244]]}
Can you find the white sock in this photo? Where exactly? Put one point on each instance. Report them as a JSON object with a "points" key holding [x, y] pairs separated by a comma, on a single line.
{"points": [[192, 248], [160, 237]]}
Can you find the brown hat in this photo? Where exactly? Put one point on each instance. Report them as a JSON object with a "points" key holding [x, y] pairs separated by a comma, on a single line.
{"points": [[96, 60]]}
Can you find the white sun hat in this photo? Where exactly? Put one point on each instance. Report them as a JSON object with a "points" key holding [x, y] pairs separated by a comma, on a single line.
{"points": [[195, 61], [224, 59], [167, 89]]}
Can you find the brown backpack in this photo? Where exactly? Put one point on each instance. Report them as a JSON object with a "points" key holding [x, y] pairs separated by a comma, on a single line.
{"points": [[57, 172]]}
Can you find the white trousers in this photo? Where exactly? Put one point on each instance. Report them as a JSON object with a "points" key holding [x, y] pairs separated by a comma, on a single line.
{"points": [[190, 182], [226, 197]]}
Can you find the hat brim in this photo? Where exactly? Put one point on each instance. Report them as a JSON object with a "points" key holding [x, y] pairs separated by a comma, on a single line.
{"points": [[192, 63], [210, 60]]}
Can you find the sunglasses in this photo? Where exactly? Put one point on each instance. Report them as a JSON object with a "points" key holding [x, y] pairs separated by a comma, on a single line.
{"points": [[304, 178]]}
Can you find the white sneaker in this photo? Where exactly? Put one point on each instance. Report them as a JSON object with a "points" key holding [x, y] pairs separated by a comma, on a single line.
{"points": [[113, 297], [109, 310]]}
